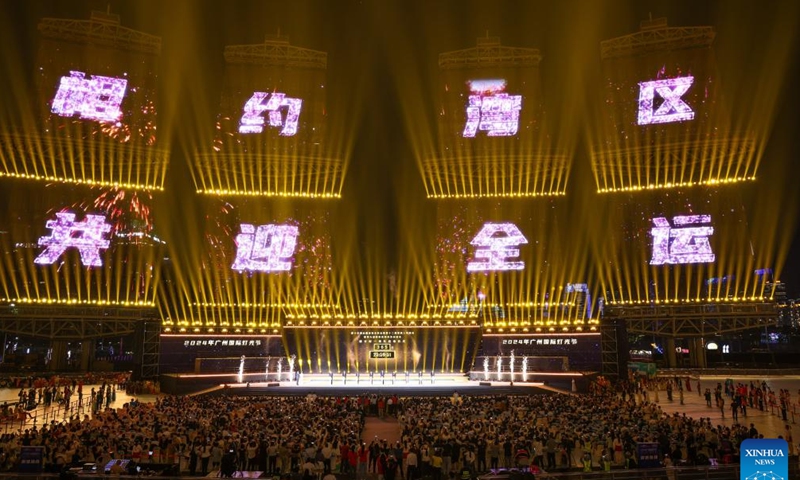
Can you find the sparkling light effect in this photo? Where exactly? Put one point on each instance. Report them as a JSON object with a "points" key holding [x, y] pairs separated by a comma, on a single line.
{"points": [[96, 98], [86, 236], [499, 368], [673, 109], [252, 120], [491, 110], [268, 248], [682, 244], [495, 250]]}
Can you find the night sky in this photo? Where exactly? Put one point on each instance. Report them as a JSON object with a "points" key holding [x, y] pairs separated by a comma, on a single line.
{"points": [[380, 52]]}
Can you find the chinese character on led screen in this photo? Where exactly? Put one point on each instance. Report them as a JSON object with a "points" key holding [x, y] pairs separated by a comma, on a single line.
{"points": [[87, 236], [493, 251], [95, 98], [672, 109], [253, 120], [492, 110], [682, 243], [266, 248]]}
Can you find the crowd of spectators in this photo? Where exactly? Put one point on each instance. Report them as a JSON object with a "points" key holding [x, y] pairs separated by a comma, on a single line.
{"points": [[313, 436], [252, 433], [598, 431]]}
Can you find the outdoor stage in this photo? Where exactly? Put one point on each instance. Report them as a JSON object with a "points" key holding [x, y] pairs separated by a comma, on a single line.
{"points": [[325, 384]]}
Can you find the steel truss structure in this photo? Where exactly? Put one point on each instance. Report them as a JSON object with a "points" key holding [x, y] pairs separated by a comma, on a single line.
{"points": [[43, 157], [610, 347], [151, 347], [277, 51], [693, 320], [269, 174], [691, 162], [519, 175], [655, 35], [489, 53], [102, 29], [72, 323]]}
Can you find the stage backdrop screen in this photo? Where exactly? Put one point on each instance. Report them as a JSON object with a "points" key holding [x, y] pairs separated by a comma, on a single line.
{"points": [[78, 244], [383, 349]]}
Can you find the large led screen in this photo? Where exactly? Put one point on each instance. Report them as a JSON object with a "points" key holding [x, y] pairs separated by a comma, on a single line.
{"points": [[79, 245], [95, 92], [382, 349], [266, 109], [540, 352], [218, 353], [661, 120], [679, 244], [93, 119], [660, 98], [501, 252], [265, 251], [490, 111]]}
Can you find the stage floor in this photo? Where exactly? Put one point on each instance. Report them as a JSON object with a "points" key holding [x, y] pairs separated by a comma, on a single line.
{"points": [[442, 384]]}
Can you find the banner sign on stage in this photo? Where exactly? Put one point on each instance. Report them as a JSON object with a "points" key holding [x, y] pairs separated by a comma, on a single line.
{"points": [[30, 459], [648, 455]]}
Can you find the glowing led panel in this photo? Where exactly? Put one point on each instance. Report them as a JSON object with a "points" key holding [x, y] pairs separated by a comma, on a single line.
{"points": [[672, 109], [493, 251], [682, 243], [87, 236], [95, 98], [266, 248], [491, 110], [252, 120]]}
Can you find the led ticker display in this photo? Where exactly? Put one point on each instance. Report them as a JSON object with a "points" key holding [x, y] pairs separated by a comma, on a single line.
{"points": [[541, 352]]}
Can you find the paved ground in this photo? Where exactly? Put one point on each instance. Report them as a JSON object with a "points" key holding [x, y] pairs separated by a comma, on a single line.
{"points": [[768, 423], [44, 415]]}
